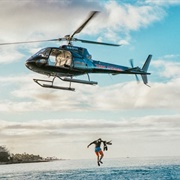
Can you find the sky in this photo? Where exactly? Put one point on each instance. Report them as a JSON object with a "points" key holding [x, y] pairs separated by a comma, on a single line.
{"points": [[141, 121]]}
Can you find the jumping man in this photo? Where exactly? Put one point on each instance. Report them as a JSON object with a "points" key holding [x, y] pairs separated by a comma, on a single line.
{"points": [[98, 150]]}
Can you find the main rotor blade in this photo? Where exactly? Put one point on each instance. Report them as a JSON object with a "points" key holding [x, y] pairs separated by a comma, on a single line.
{"points": [[91, 15], [26, 42], [95, 42]]}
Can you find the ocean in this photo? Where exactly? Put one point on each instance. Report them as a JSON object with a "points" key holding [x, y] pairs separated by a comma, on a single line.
{"points": [[164, 168]]}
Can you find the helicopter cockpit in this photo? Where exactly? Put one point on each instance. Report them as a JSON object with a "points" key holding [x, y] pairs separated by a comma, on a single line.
{"points": [[52, 57]]}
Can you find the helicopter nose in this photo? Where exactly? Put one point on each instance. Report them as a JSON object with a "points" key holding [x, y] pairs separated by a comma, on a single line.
{"points": [[34, 63], [30, 63]]}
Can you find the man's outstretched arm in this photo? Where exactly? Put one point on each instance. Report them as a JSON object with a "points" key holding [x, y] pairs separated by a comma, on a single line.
{"points": [[90, 144]]}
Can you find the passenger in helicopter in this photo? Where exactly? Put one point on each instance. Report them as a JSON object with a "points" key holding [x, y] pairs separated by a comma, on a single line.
{"points": [[63, 58]]}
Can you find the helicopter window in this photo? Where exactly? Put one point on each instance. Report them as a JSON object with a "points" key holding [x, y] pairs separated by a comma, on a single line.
{"points": [[47, 52], [60, 58], [63, 58]]}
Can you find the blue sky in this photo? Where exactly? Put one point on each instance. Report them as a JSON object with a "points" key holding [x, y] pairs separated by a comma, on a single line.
{"points": [[141, 121]]}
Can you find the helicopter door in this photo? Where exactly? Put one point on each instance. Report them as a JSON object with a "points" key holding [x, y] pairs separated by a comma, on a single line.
{"points": [[60, 58], [64, 58]]}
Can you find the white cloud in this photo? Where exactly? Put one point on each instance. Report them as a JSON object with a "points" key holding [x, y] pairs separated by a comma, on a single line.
{"points": [[75, 127], [32, 20], [21, 21], [117, 20], [123, 96], [29, 20], [168, 69], [10, 54], [163, 2], [64, 134], [132, 17]]}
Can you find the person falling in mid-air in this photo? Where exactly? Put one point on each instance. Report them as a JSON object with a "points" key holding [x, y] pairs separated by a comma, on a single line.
{"points": [[98, 150]]}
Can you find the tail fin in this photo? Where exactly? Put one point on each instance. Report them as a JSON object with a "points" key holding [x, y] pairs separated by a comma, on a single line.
{"points": [[145, 69]]}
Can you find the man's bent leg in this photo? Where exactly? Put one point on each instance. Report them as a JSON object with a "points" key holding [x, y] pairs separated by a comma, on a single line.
{"points": [[102, 155], [97, 154]]}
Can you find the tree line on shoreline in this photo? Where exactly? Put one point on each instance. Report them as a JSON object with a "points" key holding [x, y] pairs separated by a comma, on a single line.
{"points": [[7, 158]]}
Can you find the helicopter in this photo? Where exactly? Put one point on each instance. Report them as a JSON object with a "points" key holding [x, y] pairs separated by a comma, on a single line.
{"points": [[68, 61]]}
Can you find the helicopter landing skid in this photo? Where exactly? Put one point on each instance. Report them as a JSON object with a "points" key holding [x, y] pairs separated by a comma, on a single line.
{"points": [[51, 85], [70, 80], [79, 81]]}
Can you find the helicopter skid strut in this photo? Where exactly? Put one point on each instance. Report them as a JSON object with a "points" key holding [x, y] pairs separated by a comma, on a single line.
{"points": [[51, 85]]}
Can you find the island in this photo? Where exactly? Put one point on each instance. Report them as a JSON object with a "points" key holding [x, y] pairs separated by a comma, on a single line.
{"points": [[7, 158]]}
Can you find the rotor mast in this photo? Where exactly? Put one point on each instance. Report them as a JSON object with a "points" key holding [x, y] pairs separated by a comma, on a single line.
{"points": [[80, 28]]}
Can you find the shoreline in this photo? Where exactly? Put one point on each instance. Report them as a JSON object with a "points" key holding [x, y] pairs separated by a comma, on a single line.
{"points": [[35, 161]]}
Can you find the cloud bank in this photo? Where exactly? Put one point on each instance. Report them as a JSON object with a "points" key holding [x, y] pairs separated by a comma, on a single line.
{"points": [[139, 135], [31, 20], [63, 133], [115, 97]]}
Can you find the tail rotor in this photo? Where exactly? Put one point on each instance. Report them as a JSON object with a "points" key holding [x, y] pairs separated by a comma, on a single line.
{"points": [[132, 65], [142, 71]]}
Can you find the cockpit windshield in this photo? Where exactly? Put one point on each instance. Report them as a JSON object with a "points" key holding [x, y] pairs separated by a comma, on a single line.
{"points": [[43, 52]]}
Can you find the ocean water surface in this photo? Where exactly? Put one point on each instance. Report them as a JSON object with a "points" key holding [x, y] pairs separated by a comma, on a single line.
{"points": [[120, 168]]}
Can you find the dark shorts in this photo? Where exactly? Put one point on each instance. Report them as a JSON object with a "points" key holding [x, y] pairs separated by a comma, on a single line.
{"points": [[97, 149]]}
